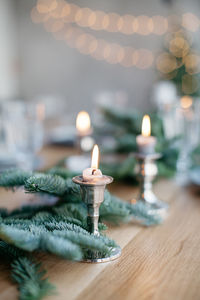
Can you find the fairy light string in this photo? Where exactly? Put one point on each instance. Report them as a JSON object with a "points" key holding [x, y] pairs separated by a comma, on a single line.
{"points": [[67, 21]]}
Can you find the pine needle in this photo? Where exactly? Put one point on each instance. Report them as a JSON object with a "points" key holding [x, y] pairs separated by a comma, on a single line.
{"points": [[51, 184], [13, 178], [30, 279]]}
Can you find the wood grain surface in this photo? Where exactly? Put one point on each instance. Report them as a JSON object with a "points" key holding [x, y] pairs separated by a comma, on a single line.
{"points": [[159, 263]]}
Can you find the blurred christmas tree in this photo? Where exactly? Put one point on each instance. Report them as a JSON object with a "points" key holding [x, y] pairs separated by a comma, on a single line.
{"points": [[179, 62]]}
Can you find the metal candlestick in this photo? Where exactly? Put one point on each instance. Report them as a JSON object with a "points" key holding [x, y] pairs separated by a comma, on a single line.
{"points": [[147, 171], [92, 194]]}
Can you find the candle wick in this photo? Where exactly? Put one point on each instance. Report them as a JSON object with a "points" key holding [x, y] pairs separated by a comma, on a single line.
{"points": [[93, 171]]}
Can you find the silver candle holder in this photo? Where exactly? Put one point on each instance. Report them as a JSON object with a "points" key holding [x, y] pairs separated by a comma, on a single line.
{"points": [[147, 171], [92, 194]]}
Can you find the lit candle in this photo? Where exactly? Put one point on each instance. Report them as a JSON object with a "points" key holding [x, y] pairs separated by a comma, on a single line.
{"points": [[83, 124], [84, 131], [146, 143], [92, 173]]}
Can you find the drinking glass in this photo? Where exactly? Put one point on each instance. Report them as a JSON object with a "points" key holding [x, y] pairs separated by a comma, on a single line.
{"points": [[24, 132], [188, 126]]}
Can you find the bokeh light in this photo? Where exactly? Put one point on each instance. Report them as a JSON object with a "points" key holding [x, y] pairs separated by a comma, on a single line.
{"points": [[192, 63], [166, 63], [160, 25], [190, 22], [55, 14], [186, 102], [145, 25], [179, 47], [189, 84], [98, 24], [126, 24]]}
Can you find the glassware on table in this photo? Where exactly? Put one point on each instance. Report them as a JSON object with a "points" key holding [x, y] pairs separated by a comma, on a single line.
{"points": [[188, 126], [165, 97], [7, 160], [24, 132]]}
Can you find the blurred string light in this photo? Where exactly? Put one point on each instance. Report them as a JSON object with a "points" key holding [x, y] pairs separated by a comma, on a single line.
{"points": [[88, 44], [111, 22], [180, 62], [179, 54], [100, 49], [59, 16], [97, 19]]}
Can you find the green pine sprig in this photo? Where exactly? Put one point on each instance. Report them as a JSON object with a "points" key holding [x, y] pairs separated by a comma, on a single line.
{"points": [[51, 184], [31, 280], [26, 273], [14, 178]]}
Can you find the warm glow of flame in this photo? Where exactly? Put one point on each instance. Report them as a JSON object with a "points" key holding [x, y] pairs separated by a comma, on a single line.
{"points": [[186, 102], [40, 110], [146, 126], [95, 157], [83, 122]]}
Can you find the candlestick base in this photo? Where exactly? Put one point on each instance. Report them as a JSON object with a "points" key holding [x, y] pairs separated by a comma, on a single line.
{"points": [[115, 253], [159, 207], [147, 171]]}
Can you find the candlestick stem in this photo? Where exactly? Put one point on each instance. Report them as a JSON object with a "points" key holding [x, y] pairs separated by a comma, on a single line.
{"points": [[93, 196], [147, 171]]}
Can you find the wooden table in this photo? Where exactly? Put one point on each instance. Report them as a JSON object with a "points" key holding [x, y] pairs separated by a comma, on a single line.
{"points": [[161, 262]]}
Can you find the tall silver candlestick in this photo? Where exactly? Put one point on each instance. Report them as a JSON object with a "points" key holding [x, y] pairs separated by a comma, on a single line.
{"points": [[92, 194], [147, 171]]}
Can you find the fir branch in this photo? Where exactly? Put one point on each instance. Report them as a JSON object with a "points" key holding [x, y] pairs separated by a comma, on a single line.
{"points": [[51, 184], [3, 212], [61, 247], [87, 240], [10, 252], [28, 211], [14, 178], [73, 210], [114, 210], [21, 238], [70, 243], [27, 274], [127, 119], [30, 279]]}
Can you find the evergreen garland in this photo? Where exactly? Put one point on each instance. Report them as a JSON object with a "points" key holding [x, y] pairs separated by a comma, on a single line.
{"points": [[60, 229]]}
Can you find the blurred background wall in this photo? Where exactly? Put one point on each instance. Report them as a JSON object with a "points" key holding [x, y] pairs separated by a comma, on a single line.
{"points": [[34, 64]]}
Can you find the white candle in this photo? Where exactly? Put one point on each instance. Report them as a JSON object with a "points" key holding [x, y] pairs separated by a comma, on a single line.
{"points": [[146, 143], [83, 124], [92, 173]]}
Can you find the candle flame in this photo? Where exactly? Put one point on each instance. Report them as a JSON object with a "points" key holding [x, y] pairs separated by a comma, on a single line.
{"points": [[95, 157], [83, 122], [186, 102], [40, 111], [146, 126]]}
